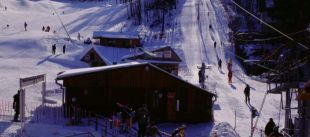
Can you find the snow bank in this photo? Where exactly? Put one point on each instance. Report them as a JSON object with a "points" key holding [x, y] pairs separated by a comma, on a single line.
{"points": [[224, 129]]}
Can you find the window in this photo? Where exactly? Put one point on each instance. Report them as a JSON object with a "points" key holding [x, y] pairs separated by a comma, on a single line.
{"points": [[92, 57], [87, 58], [167, 54]]}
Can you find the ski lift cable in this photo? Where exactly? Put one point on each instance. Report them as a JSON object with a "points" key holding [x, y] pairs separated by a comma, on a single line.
{"points": [[272, 38], [262, 66], [60, 21], [290, 38]]}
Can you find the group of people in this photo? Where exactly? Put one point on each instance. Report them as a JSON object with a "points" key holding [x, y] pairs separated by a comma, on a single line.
{"points": [[126, 115], [54, 49], [202, 76], [124, 118], [47, 29]]}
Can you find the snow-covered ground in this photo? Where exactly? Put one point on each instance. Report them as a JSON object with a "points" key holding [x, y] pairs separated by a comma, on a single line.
{"points": [[26, 53]]}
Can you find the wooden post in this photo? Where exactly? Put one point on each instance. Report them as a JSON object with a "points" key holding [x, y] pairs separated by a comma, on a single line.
{"points": [[287, 110], [235, 119], [251, 124]]}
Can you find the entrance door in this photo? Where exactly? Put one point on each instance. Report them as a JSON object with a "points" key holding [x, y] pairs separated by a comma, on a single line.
{"points": [[171, 105]]}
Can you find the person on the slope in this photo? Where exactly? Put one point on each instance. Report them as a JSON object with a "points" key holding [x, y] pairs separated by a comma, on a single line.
{"points": [[229, 65], [230, 77], [64, 49], [25, 26], [16, 105], [247, 93], [143, 120], [269, 127], [54, 49], [215, 44], [220, 64], [43, 28]]}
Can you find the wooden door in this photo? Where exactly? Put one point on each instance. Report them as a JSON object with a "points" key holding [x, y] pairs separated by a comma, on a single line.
{"points": [[171, 105]]}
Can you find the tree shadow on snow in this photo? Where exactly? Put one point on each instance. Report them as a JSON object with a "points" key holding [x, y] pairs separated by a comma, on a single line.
{"points": [[243, 82]]}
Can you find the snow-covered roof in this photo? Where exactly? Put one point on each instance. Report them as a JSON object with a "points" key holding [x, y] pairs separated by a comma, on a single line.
{"points": [[154, 61], [142, 52], [109, 54], [122, 35], [81, 71]]}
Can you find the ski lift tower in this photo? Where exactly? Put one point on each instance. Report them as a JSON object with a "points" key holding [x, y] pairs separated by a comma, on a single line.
{"points": [[288, 80]]}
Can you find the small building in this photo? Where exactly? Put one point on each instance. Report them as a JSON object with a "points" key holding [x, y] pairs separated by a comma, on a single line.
{"points": [[117, 39], [104, 55], [168, 97], [164, 57]]}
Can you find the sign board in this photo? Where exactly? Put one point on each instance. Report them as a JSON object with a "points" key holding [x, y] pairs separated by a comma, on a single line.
{"points": [[24, 82]]}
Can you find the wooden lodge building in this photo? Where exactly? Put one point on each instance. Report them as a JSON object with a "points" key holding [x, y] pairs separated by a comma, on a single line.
{"points": [[163, 57], [168, 97], [117, 39]]}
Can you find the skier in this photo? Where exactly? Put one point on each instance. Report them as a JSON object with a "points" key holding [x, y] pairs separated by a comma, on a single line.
{"points": [[247, 93], [47, 29], [54, 49], [269, 127], [229, 65], [79, 36], [64, 49], [229, 77], [201, 76], [142, 118], [5, 8], [43, 28], [220, 64], [16, 105], [25, 26], [215, 44]]}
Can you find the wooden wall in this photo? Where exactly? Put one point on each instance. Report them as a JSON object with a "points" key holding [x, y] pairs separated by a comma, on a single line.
{"points": [[138, 85]]}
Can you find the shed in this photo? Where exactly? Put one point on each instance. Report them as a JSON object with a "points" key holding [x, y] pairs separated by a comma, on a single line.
{"points": [[104, 55], [117, 39], [168, 97], [163, 57]]}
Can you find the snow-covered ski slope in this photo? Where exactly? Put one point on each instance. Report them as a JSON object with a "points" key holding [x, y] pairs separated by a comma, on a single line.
{"points": [[197, 46], [26, 53]]}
